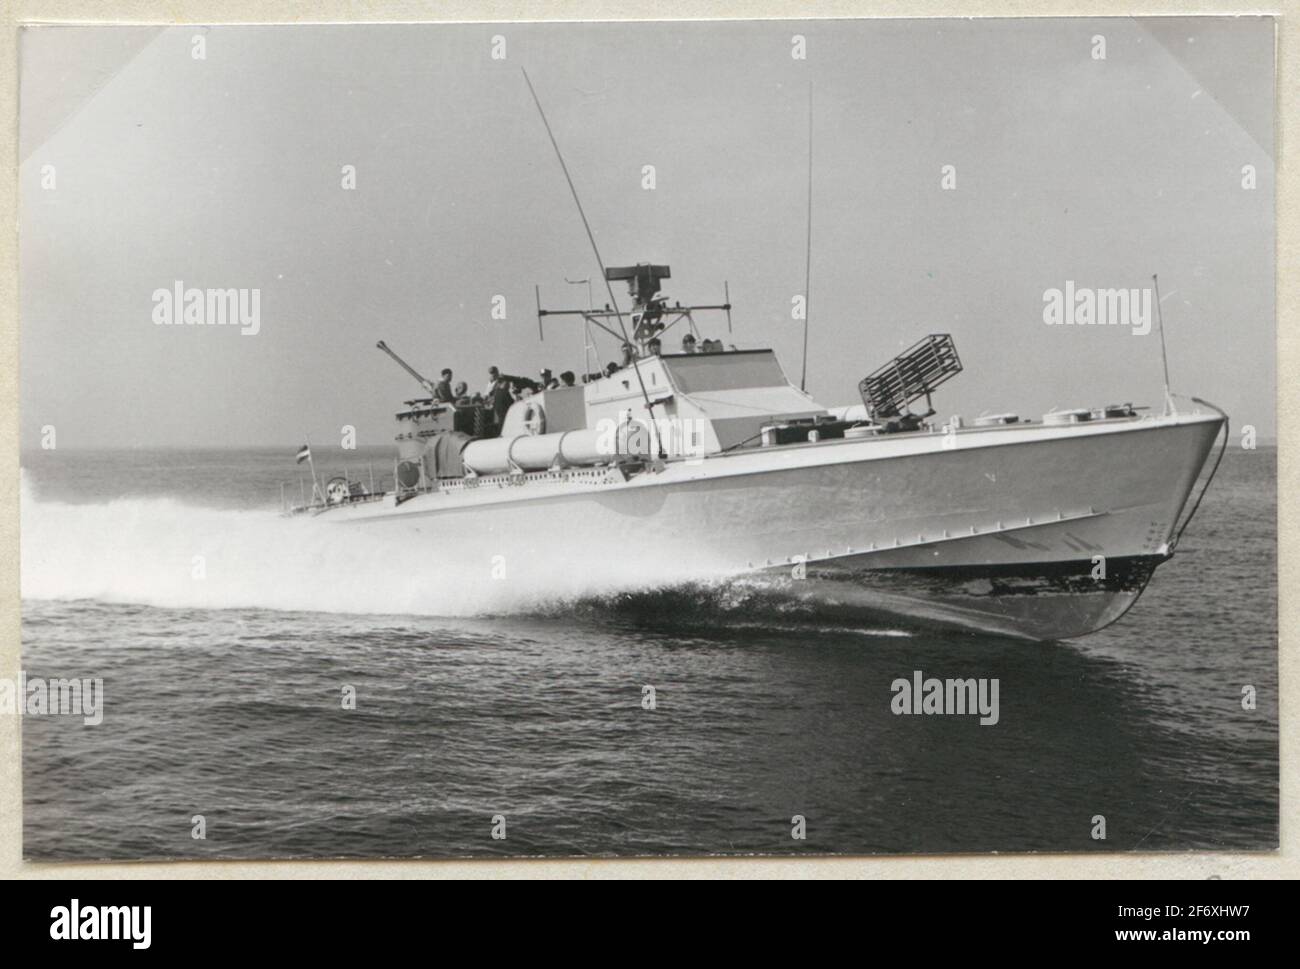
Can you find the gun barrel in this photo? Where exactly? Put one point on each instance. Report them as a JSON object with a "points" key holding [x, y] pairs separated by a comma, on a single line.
{"points": [[403, 364]]}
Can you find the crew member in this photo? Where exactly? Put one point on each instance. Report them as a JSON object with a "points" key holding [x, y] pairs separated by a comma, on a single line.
{"points": [[501, 398], [688, 343], [442, 392], [567, 379]]}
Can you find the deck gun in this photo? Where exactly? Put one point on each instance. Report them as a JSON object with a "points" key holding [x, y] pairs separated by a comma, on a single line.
{"points": [[426, 384]]}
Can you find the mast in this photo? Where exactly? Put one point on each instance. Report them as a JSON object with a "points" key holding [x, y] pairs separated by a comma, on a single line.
{"points": [[594, 248], [1164, 354], [588, 348], [807, 264]]}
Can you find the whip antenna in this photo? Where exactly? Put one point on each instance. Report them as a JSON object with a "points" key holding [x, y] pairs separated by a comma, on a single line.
{"points": [[807, 265], [594, 248], [1164, 354]]}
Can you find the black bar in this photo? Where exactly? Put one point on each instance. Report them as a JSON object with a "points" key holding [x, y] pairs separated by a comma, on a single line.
{"points": [[337, 918]]}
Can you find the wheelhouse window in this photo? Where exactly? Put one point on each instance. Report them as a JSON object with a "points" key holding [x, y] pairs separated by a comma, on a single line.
{"points": [[703, 372]]}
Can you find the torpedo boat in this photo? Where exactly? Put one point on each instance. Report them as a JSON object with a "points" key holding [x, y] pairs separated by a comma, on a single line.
{"points": [[1042, 529]]}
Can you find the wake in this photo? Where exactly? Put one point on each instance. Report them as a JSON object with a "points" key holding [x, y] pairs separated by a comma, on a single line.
{"points": [[165, 552]]}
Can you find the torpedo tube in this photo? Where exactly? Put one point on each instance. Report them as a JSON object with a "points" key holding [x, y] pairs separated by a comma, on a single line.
{"points": [[578, 448]]}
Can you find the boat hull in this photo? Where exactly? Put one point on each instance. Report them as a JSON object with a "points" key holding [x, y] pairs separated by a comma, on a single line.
{"points": [[1032, 531], [1039, 601]]}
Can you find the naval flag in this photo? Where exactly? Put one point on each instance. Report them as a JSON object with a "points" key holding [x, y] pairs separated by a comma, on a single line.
{"points": [[304, 454]]}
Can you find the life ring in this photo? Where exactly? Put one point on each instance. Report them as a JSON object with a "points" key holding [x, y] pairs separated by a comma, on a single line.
{"points": [[534, 419], [337, 491]]}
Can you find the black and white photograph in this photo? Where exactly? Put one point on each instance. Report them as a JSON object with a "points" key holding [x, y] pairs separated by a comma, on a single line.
{"points": [[647, 439]]}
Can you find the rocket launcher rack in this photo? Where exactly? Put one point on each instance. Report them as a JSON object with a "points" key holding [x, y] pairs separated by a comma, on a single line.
{"points": [[911, 375]]}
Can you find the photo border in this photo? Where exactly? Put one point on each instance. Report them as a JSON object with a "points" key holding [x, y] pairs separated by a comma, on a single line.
{"points": [[1102, 864]]}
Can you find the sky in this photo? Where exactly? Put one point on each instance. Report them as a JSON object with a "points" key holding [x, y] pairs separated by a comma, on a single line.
{"points": [[227, 172]]}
